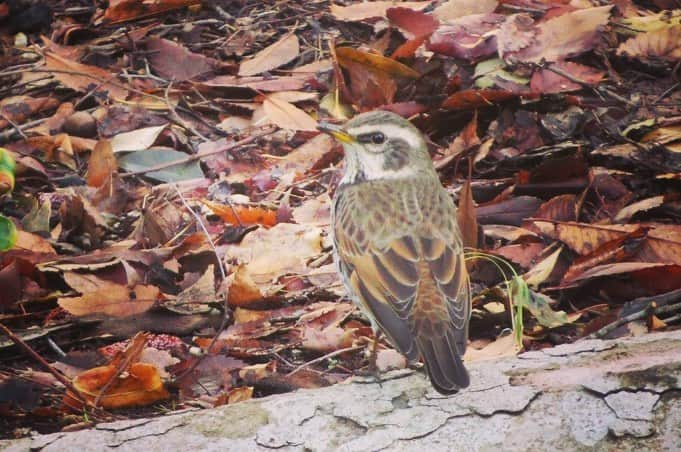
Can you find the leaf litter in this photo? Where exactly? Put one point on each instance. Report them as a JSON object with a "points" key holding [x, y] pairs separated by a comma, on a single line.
{"points": [[165, 196]]}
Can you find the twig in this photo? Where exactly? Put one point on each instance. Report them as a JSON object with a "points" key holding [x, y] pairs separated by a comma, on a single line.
{"points": [[638, 315], [13, 124], [223, 273], [32, 353], [177, 118], [120, 368], [203, 228], [198, 156], [602, 89], [322, 358]]}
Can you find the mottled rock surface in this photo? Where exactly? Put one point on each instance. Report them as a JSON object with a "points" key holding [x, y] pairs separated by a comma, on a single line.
{"points": [[593, 395]]}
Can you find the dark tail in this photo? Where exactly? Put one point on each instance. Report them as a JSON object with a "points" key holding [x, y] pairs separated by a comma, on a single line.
{"points": [[443, 362]]}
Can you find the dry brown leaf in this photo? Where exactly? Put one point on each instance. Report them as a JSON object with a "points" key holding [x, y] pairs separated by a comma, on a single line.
{"points": [[582, 238], [325, 340], [453, 9], [629, 211], [33, 242], [368, 10], [272, 57], [136, 140], [507, 232], [83, 77], [282, 249], [558, 38], [115, 300], [141, 385], [124, 10], [664, 44], [235, 395], [102, 165], [466, 217], [375, 62], [503, 346], [287, 115], [243, 291], [197, 297], [314, 211], [19, 108], [240, 215], [174, 61]]}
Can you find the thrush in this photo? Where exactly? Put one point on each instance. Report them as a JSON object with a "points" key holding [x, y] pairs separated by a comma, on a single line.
{"points": [[397, 244]]}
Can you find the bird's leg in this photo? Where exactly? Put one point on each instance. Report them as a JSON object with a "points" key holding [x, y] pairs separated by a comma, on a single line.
{"points": [[373, 356], [372, 372]]}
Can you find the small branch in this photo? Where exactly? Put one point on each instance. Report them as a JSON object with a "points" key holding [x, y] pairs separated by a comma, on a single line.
{"points": [[223, 273], [638, 315], [177, 118], [322, 358], [16, 126], [191, 158], [33, 354], [602, 89]]}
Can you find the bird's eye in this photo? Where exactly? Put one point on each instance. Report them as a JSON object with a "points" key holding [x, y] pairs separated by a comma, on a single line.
{"points": [[374, 138], [377, 138]]}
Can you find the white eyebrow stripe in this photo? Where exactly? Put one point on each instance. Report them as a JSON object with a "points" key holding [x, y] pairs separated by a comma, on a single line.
{"points": [[390, 130]]}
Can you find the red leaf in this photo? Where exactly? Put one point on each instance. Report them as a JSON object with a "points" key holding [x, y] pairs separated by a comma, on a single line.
{"points": [[418, 23]]}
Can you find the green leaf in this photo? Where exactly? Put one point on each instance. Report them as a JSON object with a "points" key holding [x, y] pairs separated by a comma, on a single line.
{"points": [[8, 233], [150, 158], [6, 171], [540, 308]]}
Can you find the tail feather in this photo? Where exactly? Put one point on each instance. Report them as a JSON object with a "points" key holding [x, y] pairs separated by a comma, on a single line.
{"points": [[445, 369]]}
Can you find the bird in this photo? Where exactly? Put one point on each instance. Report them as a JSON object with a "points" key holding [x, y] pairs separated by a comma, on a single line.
{"points": [[397, 244]]}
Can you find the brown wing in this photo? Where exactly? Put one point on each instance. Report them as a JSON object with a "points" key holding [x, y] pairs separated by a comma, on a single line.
{"points": [[414, 285]]}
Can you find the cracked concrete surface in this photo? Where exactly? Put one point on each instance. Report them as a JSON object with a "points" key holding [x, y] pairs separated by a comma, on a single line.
{"points": [[592, 395]]}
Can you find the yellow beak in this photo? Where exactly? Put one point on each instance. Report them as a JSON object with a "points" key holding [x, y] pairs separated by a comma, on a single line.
{"points": [[336, 131]]}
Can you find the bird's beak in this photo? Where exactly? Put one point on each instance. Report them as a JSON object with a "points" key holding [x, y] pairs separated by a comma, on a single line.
{"points": [[336, 131]]}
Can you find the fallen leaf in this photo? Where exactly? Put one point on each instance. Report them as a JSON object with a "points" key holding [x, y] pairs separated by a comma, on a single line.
{"points": [[541, 272], [476, 98], [148, 159], [243, 291], [416, 23], [556, 39], [102, 165], [625, 214], [240, 215], [196, 298], [136, 140], [125, 10], [454, 9], [272, 57], [468, 223], [287, 115], [663, 44], [547, 81], [375, 62], [141, 385], [173, 61], [501, 347], [114, 299], [470, 37], [83, 77], [369, 10]]}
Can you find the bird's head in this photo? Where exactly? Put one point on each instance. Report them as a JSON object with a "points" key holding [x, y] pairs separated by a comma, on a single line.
{"points": [[381, 145]]}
